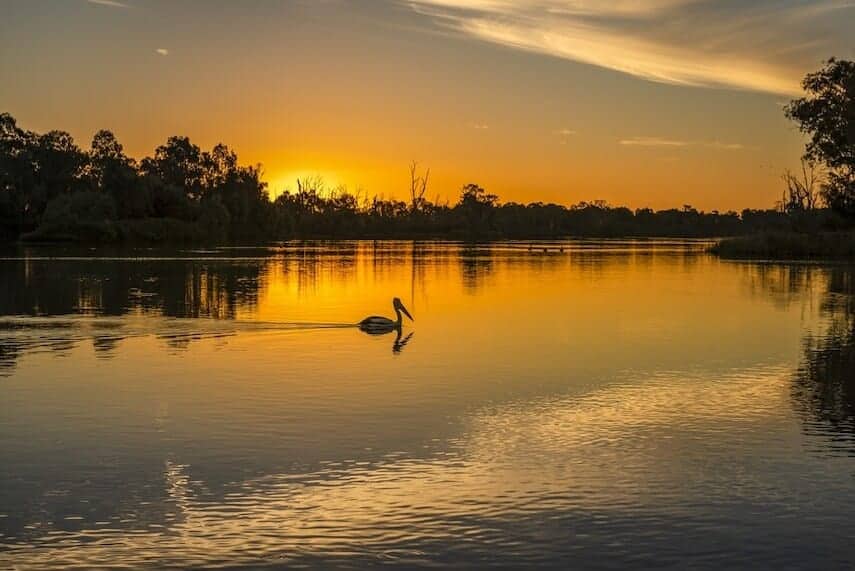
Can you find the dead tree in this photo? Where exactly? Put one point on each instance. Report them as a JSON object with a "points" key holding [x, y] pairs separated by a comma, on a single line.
{"points": [[418, 187], [802, 191]]}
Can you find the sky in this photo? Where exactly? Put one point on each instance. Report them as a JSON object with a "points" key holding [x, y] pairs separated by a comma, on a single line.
{"points": [[645, 103]]}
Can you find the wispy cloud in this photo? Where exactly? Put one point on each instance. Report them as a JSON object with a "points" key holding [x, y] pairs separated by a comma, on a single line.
{"points": [[764, 45], [660, 142], [726, 146], [653, 142], [162, 51], [480, 126], [112, 3]]}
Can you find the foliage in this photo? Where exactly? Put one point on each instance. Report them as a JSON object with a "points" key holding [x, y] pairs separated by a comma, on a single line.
{"points": [[827, 115], [51, 189], [84, 215]]}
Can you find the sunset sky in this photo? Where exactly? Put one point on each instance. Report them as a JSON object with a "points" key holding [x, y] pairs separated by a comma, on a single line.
{"points": [[640, 102]]}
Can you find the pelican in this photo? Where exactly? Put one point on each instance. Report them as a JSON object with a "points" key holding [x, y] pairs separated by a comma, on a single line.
{"points": [[377, 324]]}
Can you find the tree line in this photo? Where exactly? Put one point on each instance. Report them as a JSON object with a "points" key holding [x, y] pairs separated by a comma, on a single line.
{"points": [[51, 189]]}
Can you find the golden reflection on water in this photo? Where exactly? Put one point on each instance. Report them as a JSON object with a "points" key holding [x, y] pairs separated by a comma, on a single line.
{"points": [[546, 403], [512, 460]]}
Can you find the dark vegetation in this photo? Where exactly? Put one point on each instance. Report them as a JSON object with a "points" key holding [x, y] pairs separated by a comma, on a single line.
{"points": [[826, 182], [52, 190], [789, 245], [823, 389]]}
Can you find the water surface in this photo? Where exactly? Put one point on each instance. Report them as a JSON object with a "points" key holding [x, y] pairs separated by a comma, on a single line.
{"points": [[616, 404]]}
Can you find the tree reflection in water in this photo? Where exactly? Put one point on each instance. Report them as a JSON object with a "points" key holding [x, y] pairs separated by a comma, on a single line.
{"points": [[824, 385], [823, 388], [48, 301]]}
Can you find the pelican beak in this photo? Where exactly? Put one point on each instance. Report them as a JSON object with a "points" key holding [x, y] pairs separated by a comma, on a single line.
{"points": [[407, 313]]}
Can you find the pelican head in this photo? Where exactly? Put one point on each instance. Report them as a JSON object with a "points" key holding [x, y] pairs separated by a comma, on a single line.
{"points": [[396, 303]]}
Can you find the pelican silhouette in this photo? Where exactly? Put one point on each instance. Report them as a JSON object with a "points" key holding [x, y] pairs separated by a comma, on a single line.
{"points": [[377, 324]]}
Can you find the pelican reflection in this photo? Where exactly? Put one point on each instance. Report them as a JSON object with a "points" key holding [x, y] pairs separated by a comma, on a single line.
{"points": [[399, 343]]}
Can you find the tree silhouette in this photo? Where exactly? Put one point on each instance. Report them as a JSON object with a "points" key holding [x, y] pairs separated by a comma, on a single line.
{"points": [[477, 207], [17, 177], [114, 174], [827, 114], [52, 190], [179, 164]]}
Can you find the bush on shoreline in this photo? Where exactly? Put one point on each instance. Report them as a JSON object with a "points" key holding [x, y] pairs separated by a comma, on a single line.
{"points": [[788, 246]]}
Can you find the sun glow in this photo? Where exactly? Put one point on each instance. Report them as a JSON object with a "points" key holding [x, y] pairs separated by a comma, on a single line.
{"points": [[480, 91]]}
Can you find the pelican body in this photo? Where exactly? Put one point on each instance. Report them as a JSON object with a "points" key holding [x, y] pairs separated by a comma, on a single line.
{"points": [[378, 324]]}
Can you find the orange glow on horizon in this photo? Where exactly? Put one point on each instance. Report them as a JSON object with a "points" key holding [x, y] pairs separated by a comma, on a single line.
{"points": [[381, 90]]}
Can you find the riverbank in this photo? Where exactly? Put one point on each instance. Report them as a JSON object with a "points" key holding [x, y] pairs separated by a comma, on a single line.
{"points": [[171, 231], [788, 246]]}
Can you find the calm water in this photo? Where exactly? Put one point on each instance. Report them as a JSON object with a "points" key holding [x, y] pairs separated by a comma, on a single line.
{"points": [[614, 405]]}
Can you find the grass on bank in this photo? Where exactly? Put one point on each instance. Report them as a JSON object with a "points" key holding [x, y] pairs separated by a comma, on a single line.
{"points": [[789, 245]]}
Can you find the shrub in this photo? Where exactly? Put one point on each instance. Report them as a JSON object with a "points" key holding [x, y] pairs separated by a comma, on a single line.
{"points": [[80, 216]]}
